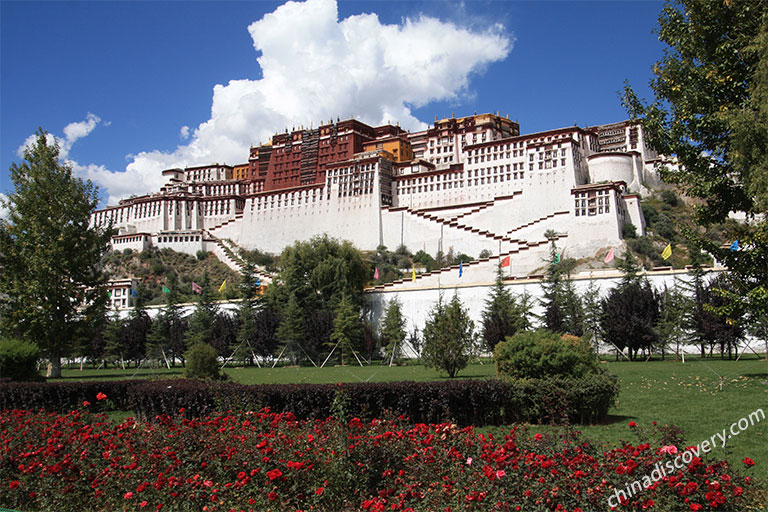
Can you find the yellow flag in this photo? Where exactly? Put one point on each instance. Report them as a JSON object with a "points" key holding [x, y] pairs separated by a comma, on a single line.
{"points": [[413, 274], [223, 286], [667, 252]]}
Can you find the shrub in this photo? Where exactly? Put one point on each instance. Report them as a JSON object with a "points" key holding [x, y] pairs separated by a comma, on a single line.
{"points": [[628, 231], [464, 402], [670, 198], [202, 362], [202, 255], [541, 354], [18, 360]]}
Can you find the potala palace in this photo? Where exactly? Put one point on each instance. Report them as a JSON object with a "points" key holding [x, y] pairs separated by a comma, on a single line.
{"points": [[471, 184]]}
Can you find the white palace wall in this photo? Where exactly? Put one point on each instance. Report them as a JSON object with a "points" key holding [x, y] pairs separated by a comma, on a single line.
{"points": [[417, 301]]}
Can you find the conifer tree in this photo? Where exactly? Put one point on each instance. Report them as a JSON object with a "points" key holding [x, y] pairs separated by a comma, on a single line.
{"points": [[449, 337], [592, 314], [290, 333], [347, 327], [500, 317], [167, 335], [202, 319], [51, 281], [562, 305], [393, 331], [137, 325], [113, 339]]}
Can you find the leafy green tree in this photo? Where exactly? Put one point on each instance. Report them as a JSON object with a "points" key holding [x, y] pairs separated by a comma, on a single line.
{"points": [[710, 110], [201, 323], [347, 327], [51, 283], [318, 273], [449, 337], [393, 333]]}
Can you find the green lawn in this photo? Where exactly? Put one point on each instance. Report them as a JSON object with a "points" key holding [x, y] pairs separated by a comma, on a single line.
{"points": [[668, 392]]}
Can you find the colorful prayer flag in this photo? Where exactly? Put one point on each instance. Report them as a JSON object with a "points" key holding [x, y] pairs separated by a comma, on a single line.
{"points": [[223, 286], [196, 287], [258, 282], [609, 256], [667, 252], [461, 268], [505, 262], [133, 292], [735, 246], [376, 273], [166, 290], [413, 274], [557, 257]]}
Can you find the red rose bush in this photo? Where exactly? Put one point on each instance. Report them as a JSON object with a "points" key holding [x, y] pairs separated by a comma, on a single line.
{"points": [[267, 461]]}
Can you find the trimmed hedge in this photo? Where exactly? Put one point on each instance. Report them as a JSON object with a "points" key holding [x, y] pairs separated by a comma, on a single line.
{"points": [[465, 402]]}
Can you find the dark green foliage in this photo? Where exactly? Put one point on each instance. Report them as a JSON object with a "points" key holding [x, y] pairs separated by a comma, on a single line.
{"points": [[670, 198], [421, 258], [202, 255], [202, 363], [290, 333], [389, 264], [562, 306], [165, 340], [224, 334], [710, 111], [543, 354], [51, 284], [114, 342], [650, 213], [628, 231], [503, 315], [630, 312], [392, 333], [319, 272], [257, 257], [347, 328], [201, 323], [449, 337], [465, 402], [18, 360]]}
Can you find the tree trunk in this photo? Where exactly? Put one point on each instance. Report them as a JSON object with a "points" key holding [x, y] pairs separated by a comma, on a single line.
{"points": [[54, 368]]}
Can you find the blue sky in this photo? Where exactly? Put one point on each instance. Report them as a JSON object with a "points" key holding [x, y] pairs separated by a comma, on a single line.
{"points": [[133, 82]]}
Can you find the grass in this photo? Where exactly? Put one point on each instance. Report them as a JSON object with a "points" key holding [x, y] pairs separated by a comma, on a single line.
{"points": [[668, 392]]}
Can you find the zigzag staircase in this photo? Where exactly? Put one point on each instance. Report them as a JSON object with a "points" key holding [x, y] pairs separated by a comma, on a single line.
{"points": [[454, 268]]}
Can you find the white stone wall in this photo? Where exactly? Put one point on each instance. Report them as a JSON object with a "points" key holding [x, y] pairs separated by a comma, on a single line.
{"points": [[418, 301]]}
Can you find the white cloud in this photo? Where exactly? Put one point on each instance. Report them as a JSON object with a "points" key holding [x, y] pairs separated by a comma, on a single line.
{"points": [[72, 132], [316, 67]]}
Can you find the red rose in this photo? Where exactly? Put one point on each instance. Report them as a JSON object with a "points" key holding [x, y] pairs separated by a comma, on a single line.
{"points": [[632, 424], [272, 496], [100, 396], [748, 462], [274, 474]]}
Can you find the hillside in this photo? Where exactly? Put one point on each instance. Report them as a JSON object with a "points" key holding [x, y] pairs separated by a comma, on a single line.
{"points": [[668, 216], [154, 268]]}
